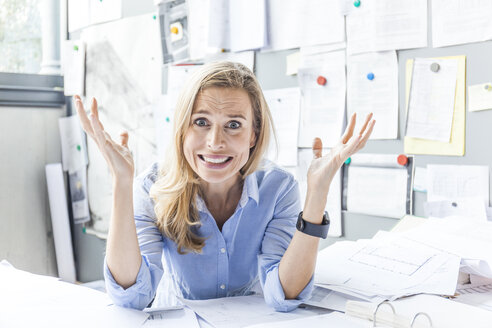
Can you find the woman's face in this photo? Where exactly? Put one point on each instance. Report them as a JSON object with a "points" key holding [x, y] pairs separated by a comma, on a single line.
{"points": [[221, 134]]}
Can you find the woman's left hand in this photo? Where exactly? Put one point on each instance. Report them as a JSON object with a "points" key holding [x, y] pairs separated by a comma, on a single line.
{"points": [[323, 168]]}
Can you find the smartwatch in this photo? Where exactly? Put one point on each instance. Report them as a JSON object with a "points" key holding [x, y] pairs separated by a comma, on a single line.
{"points": [[315, 230]]}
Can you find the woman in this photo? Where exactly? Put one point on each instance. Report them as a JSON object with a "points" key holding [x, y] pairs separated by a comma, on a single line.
{"points": [[215, 218]]}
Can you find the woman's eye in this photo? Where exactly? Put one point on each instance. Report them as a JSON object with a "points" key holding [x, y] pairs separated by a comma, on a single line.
{"points": [[201, 122], [234, 125]]}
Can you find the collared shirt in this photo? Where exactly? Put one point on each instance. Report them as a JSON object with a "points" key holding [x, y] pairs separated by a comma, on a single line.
{"points": [[249, 247]]}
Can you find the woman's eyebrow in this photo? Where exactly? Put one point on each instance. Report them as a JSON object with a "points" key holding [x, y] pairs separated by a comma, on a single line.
{"points": [[231, 115]]}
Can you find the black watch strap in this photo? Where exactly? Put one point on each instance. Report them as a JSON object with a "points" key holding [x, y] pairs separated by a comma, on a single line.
{"points": [[315, 230]]}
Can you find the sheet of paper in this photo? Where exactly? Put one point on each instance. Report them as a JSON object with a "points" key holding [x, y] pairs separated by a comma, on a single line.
{"points": [[242, 311], [468, 239], [372, 87], [78, 14], [329, 299], [184, 317], [432, 95], [460, 21], [74, 150], [177, 75], [293, 63], [247, 58], [60, 222], [397, 266], [456, 146], [377, 191], [322, 106], [334, 200], [198, 25], [53, 303], [475, 295], [468, 208], [284, 106], [307, 51], [420, 179], [73, 63], [293, 23], [480, 97], [219, 25], [387, 25], [78, 195], [451, 182], [334, 319], [248, 26], [104, 11]]}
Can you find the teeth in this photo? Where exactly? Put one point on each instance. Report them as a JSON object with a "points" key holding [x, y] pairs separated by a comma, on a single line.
{"points": [[215, 160]]}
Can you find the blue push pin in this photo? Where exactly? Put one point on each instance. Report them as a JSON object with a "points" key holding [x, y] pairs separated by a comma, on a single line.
{"points": [[348, 160], [370, 76]]}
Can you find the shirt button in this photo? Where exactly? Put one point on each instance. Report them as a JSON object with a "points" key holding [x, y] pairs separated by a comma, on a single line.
{"points": [[222, 286], [222, 250]]}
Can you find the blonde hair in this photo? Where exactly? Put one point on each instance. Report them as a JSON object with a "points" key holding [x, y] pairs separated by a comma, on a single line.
{"points": [[177, 185]]}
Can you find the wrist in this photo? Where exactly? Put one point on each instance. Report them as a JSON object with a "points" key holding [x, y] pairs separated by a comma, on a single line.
{"points": [[314, 208]]}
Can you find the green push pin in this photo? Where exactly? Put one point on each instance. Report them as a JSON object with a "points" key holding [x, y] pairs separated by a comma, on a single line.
{"points": [[167, 119], [79, 148], [83, 230], [347, 161], [155, 17], [357, 3], [76, 48]]}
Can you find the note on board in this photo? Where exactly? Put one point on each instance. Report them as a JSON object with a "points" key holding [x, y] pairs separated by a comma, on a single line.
{"points": [[456, 146]]}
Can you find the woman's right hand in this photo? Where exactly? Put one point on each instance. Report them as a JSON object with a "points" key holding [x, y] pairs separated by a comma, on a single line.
{"points": [[118, 156]]}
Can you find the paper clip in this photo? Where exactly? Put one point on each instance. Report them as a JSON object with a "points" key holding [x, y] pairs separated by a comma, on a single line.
{"points": [[376, 311], [425, 315]]}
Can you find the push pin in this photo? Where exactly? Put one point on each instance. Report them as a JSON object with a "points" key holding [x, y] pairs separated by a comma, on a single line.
{"points": [[174, 30], [488, 87], [348, 160], [435, 67], [357, 3], [76, 48], [321, 80], [402, 160], [370, 76]]}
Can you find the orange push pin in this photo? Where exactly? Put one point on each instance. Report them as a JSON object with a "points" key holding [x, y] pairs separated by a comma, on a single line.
{"points": [[174, 30], [321, 80], [402, 160]]}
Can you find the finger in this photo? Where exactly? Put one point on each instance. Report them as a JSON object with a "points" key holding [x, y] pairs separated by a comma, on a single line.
{"points": [[84, 120], [349, 130], [368, 119], [124, 139], [94, 108], [99, 133], [350, 147], [317, 148], [366, 136]]}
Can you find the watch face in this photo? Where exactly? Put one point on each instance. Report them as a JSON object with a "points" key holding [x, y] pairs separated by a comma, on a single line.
{"points": [[300, 224]]}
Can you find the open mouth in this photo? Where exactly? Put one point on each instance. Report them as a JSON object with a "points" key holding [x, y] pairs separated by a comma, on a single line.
{"points": [[216, 160]]}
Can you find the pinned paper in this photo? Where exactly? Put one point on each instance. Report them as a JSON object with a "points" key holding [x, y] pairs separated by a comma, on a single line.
{"points": [[456, 145], [293, 61], [480, 97]]}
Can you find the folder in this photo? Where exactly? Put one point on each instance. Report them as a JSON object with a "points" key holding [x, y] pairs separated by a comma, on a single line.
{"points": [[420, 311]]}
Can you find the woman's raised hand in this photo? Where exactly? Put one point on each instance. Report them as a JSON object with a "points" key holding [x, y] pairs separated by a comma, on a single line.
{"points": [[323, 168], [118, 156]]}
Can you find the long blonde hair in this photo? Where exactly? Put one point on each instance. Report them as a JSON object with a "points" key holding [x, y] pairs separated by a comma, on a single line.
{"points": [[177, 185]]}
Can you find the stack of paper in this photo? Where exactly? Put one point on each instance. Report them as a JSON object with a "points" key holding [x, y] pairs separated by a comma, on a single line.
{"points": [[386, 267]]}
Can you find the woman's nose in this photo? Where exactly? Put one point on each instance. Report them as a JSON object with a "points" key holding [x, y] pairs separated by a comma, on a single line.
{"points": [[215, 138]]}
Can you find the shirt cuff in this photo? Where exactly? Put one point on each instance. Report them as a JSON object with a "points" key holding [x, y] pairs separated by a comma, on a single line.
{"points": [[274, 293], [137, 296]]}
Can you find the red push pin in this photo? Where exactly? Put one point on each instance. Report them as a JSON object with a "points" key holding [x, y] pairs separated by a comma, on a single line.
{"points": [[402, 160], [321, 80]]}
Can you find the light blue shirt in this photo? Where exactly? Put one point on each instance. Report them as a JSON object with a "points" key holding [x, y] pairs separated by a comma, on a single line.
{"points": [[249, 247]]}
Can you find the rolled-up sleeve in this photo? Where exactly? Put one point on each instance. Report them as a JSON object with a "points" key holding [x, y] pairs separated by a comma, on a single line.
{"points": [[151, 242], [278, 235]]}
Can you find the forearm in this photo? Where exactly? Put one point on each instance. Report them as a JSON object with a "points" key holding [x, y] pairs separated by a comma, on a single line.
{"points": [[122, 250], [299, 260]]}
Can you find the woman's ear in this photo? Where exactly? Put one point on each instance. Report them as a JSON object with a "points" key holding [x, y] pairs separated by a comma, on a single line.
{"points": [[252, 141]]}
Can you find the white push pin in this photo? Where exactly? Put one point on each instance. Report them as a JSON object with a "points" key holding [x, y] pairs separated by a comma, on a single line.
{"points": [[435, 67]]}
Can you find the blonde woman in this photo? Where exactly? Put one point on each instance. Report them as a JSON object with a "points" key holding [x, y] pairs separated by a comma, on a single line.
{"points": [[215, 217]]}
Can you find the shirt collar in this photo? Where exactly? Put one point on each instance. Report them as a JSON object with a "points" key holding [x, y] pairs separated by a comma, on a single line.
{"points": [[250, 190]]}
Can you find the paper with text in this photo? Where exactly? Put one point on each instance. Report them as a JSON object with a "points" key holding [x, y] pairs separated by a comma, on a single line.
{"points": [[480, 97], [431, 104], [372, 87]]}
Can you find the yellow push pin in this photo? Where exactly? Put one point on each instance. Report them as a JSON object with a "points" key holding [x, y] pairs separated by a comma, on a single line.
{"points": [[174, 30]]}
